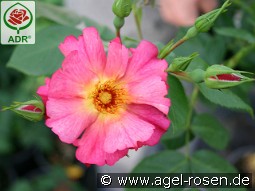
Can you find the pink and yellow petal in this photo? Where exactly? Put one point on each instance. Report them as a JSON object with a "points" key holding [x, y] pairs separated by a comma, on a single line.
{"points": [[70, 44], [127, 132], [42, 91], [154, 67], [153, 116], [94, 48], [68, 118], [150, 91], [117, 59], [91, 147], [140, 56], [72, 79]]}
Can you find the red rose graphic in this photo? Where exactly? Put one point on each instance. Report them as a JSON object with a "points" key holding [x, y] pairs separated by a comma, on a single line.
{"points": [[18, 16]]}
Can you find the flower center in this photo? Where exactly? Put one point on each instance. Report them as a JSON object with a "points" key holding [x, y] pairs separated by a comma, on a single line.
{"points": [[109, 97], [105, 97]]}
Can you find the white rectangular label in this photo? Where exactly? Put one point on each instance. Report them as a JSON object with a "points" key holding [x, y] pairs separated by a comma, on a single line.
{"points": [[17, 22]]}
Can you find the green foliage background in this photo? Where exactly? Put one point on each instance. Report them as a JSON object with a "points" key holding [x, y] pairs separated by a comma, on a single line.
{"points": [[23, 68]]}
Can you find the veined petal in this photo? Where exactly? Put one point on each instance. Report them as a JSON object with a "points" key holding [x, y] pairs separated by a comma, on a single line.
{"points": [[71, 80], [141, 55], [91, 147], [117, 59], [127, 133], [150, 91], [156, 118], [68, 118], [94, 48], [42, 91], [70, 44], [154, 67]]}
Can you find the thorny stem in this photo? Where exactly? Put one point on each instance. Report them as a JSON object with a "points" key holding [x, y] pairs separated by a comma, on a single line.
{"points": [[193, 99], [233, 62]]}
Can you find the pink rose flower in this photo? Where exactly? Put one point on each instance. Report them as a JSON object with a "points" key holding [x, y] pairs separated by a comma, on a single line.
{"points": [[106, 105]]}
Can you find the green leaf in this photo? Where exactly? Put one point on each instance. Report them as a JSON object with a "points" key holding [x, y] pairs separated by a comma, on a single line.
{"points": [[36, 135], [225, 98], [210, 130], [208, 162], [57, 14], [21, 185], [42, 23], [163, 162], [48, 181], [211, 49], [175, 137], [197, 63], [6, 118], [44, 57], [66, 17], [236, 33], [205, 161]]}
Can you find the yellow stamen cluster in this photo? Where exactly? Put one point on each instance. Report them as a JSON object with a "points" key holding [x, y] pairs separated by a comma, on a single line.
{"points": [[109, 97]]}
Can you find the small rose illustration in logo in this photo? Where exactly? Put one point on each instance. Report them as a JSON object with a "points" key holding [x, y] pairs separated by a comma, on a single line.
{"points": [[18, 17]]}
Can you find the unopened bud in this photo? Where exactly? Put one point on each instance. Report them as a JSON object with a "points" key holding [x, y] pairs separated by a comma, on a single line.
{"points": [[219, 77], [32, 110], [181, 63], [122, 8], [206, 21]]}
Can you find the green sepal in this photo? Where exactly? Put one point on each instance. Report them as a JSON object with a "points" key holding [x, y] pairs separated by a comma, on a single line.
{"points": [[206, 21], [37, 114], [181, 63]]}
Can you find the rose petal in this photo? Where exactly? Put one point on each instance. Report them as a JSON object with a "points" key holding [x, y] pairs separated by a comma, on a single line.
{"points": [[117, 59], [141, 55], [72, 79], [157, 118], [91, 147], [95, 49], [42, 91], [68, 118], [126, 133], [150, 91]]}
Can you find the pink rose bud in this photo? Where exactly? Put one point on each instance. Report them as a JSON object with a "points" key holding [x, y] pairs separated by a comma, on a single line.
{"points": [[218, 77], [32, 110]]}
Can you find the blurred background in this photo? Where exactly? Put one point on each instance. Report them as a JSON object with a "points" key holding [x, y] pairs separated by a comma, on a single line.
{"points": [[33, 158]]}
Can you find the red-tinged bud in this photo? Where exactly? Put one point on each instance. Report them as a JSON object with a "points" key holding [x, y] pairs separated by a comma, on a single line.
{"points": [[219, 77], [227, 77], [32, 110]]}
